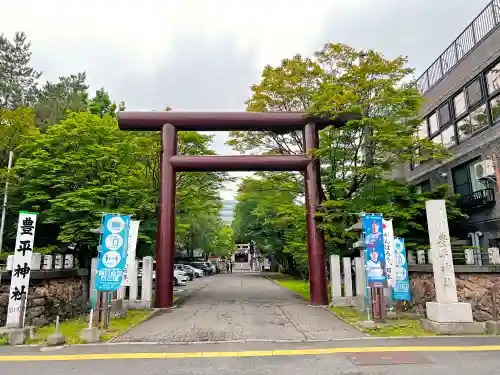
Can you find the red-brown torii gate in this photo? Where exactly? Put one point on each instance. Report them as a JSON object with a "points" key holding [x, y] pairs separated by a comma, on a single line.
{"points": [[168, 123]]}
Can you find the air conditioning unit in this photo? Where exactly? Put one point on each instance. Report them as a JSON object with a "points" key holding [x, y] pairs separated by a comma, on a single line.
{"points": [[484, 169]]}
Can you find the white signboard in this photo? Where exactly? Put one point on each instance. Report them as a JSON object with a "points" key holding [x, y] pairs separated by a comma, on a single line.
{"points": [[130, 272], [389, 251], [21, 269]]}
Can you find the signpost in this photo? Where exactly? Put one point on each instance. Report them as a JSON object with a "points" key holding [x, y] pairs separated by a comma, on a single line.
{"points": [[113, 255], [389, 257], [130, 272], [112, 259], [374, 259], [21, 270], [401, 291]]}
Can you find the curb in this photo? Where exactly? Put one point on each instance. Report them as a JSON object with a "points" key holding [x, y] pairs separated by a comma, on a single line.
{"points": [[346, 322], [152, 314], [291, 291]]}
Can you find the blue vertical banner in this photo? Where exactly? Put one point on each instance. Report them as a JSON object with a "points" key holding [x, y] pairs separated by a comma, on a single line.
{"points": [[113, 254], [401, 290], [374, 250]]}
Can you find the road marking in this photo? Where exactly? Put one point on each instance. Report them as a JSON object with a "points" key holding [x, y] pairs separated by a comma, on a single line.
{"points": [[255, 353]]}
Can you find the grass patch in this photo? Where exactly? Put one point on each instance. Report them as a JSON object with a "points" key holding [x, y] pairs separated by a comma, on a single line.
{"points": [[71, 328], [294, 284], [396, 327], [4, 340]]}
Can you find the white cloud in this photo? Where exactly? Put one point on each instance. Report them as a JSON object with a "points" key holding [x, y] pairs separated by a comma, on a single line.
{"points": [[145, 31], [204, 54]]}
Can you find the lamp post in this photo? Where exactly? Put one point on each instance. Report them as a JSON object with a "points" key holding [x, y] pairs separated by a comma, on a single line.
{"points": [[5, 196]]}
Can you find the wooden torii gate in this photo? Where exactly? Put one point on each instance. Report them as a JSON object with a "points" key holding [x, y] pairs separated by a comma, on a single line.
{"points": [[168, 123]]}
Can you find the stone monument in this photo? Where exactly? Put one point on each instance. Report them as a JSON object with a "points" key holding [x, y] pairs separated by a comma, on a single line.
{"points": [[446, 315]]}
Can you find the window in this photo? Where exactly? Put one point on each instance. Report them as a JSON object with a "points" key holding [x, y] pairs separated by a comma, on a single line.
{"points": [[493, 79], [461, 180], [444, 115], [423, 132], [433, 123], [448, 136], [465, 180], [459, 102], [437, 139], [476, 121], [494, 242], [474, 94], [495, 109], [464, 129], [416, 154], [479, 119], [424, 187]]}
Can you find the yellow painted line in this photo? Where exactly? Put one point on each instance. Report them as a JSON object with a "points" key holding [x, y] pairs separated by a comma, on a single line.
{"points": [[252, 353]]}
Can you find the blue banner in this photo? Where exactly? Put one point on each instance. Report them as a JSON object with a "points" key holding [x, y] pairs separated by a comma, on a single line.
{"points": [[401, 290], [113, 254], [374, 250]]}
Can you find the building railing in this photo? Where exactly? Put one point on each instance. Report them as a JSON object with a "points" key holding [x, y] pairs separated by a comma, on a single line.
{"points": [[478, 29], [478, 198]]}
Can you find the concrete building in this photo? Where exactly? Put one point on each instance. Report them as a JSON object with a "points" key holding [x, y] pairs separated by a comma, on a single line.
{"points": [[462, 112]]}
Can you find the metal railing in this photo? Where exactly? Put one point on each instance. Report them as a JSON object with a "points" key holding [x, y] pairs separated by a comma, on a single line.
{"points": [[478, 29], [461, 257], [480, 198]]}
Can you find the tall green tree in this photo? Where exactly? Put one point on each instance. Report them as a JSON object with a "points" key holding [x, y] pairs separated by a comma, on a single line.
{"points": [[338, 79], [102, 105], [56, 99], [18, 79]]}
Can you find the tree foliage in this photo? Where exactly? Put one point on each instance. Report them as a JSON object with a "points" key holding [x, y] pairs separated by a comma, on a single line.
{"points": [[18, 79], [356, 160], [72, 163]]}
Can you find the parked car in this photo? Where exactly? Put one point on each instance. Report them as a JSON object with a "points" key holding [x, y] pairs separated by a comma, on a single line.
{"points": [[207, 270], [182, 267], [213, 266], [197, 272], [180, 277]]}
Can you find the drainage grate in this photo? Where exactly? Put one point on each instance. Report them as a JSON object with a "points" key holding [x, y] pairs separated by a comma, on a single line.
{"points": [[387, 358]]}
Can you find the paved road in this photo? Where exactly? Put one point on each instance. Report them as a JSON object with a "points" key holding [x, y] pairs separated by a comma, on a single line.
{"points": [[241, 307], [363, 356]]}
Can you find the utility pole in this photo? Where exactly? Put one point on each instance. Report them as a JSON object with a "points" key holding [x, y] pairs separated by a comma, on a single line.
{"points": [[5, 196]]}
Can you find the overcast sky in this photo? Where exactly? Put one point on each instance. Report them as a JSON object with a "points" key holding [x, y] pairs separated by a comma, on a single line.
{"points": [[204, 54]]}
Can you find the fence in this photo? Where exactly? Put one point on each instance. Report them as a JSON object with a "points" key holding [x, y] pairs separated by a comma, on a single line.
{"points": [[477, 30], [472, 256], [139, 295]]}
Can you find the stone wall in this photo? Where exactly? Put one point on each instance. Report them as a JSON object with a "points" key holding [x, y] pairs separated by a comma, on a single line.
{"points": [[51, 293], [474, 288]]}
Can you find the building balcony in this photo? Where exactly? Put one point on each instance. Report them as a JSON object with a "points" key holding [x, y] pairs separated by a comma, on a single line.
{"points": [[477, 199], [478, 30]]}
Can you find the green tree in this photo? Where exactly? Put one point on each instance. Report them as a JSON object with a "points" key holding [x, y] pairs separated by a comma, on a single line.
{"points": [[85, 165], [18, 79], [56, 99], [224, 243], [396, 200], [270, 212], [341, 79], [102, 105]]}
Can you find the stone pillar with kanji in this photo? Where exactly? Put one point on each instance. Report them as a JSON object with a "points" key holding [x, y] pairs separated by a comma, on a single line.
{"points": [[446, 314]]}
